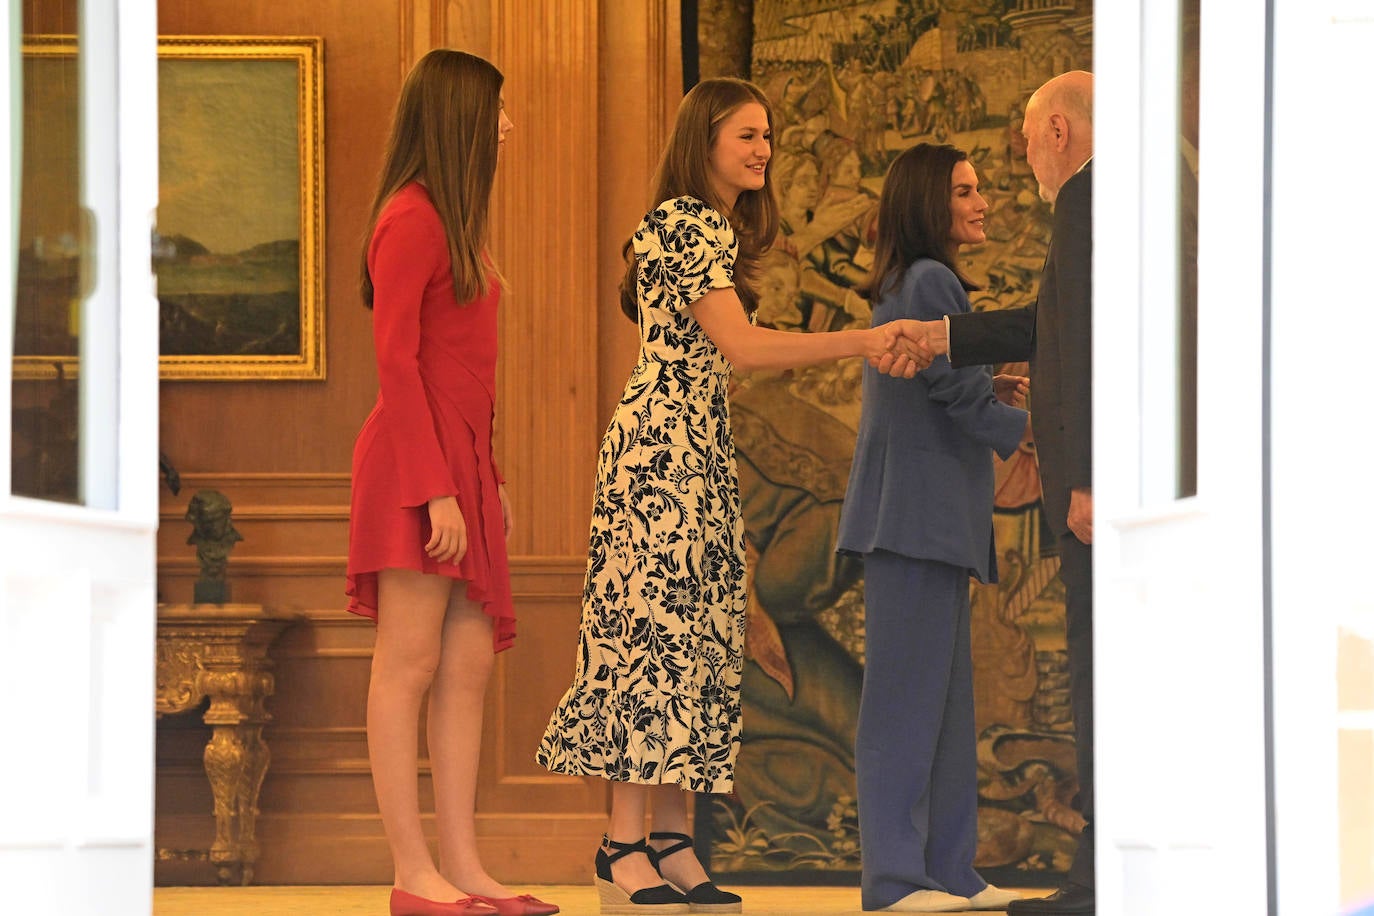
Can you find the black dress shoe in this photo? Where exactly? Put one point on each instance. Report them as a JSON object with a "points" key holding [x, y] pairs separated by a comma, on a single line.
{"points": [[1069, 900]]}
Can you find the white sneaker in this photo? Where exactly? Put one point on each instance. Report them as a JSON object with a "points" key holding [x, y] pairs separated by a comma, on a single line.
{"points": [[992, 898], [928, 901]]}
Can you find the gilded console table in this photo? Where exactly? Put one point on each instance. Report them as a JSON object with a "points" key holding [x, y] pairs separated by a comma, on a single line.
{"points": [[219, 651]]}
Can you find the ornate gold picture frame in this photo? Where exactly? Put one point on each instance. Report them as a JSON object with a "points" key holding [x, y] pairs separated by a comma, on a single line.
{"points": [[239, 248]]}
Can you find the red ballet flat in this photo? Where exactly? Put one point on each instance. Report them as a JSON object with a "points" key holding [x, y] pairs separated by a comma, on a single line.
{"points": [[524, 905], [404, 903]]}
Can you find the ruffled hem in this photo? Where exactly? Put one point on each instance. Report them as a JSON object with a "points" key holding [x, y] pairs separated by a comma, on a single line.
{"points": [[721, 785], [362, 600], [386, 534], [643, 737]]}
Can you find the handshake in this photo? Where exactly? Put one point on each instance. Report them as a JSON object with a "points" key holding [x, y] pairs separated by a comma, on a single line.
{"points": [[908, 346], [904, 347]]}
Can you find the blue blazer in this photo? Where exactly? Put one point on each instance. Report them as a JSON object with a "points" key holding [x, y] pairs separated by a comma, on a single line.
{"points": [[921, 483]]}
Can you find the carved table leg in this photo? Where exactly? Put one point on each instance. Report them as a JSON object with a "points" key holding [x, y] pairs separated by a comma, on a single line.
{"points": [[236, 761], [220, 652], [253, 775]]}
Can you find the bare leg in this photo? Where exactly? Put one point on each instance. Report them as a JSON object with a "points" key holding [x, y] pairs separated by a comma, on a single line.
{"points": [[670, 816], [411, 608], [455, 742], [629, 803]]}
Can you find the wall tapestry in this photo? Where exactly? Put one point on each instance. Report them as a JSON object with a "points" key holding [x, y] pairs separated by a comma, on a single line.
{"points": [[853, 84]]}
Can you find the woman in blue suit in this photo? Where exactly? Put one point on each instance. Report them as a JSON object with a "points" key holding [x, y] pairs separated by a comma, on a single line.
{"points": [[919, 511]]}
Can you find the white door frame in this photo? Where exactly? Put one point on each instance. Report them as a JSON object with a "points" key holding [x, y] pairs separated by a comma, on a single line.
{"points": [[1321, 327], [1179, 622], [77, 583]]}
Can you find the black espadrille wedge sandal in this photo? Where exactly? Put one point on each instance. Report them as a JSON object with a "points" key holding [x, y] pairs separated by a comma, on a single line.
{"points": [[705, 897], [649, 901]]}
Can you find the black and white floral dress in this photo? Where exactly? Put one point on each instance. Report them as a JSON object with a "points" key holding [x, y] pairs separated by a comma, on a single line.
{"points": [[656, 697]]}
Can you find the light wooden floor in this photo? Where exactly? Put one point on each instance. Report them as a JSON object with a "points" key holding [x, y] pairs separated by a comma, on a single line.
{"points": [[577, 900]]}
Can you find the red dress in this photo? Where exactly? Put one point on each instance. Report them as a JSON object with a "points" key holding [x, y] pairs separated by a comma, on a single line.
{"points": [[430, 433]]}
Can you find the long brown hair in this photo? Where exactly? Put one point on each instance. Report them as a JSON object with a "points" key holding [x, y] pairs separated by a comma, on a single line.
{"points": [[445, 134], [685, 170], [914, 219]]}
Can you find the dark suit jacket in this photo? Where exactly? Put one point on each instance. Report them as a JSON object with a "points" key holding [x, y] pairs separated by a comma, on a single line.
{"points": [[1055, 334], [921, 482]]}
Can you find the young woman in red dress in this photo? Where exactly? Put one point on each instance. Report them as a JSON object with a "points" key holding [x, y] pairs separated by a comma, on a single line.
{"points": [[430, 515]]}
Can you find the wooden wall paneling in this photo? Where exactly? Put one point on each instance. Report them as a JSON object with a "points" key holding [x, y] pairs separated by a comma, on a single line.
{"points": [[219, 426], [295, 530], [54, 18], [545, 239], [582, 105], [427, 24], [281, 452], [320, 822], [571, 187], [422, 24], [640, 86]]}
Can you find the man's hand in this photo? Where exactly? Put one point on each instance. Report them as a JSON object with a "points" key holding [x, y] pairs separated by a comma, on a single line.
{"points": [[916, 346], [1081, 514], [1011, 389], [889, 360]]}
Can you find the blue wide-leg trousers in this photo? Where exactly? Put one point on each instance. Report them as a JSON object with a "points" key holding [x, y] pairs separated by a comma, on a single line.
{"points": [[916, 748]]}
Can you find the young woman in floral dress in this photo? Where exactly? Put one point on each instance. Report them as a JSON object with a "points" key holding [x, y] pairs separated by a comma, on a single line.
{"points": [[655, 703]]}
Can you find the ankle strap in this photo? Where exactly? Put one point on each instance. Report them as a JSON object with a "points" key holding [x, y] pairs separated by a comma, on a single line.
{"points": [[683, 842], [625, 849]]}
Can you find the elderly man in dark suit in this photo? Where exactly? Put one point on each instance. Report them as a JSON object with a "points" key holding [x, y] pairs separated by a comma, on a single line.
{"points": [[1055, 334]]}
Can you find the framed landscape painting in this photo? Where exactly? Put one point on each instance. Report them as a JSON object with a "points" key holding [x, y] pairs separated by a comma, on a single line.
{"points": [[239, 247]]}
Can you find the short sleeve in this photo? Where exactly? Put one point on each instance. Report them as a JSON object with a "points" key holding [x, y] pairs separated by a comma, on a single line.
{"points": [[685, 250]]}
